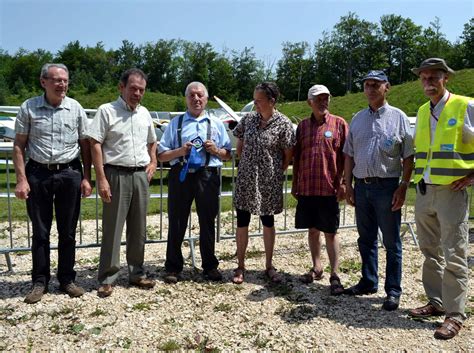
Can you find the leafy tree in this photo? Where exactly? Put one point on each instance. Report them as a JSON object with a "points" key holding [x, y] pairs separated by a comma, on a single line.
{"points": [[25, 69], [196, 62], [247, 71], [161, 64], [126, 57], [291, 69], [221, 80]]}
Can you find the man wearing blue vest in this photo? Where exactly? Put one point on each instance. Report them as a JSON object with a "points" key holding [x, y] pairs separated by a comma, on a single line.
{"points": [[195, 144], [444, 141]]}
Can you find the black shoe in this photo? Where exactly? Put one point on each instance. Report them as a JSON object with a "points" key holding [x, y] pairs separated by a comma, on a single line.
{"points": [[172, 277], [213, 275], [391, 303], [356, 290]]}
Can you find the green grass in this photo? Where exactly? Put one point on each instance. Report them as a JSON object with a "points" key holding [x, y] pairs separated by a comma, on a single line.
{"points": [[408, 97]]}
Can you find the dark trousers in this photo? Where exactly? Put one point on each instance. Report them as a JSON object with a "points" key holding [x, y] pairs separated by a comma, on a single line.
{"points": [[203, 187], [62, 189], [373, 211]]}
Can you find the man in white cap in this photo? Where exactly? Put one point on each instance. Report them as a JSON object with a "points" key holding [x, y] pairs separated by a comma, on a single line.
{"points": [[317, 182], [380, 150], [444, 140]]}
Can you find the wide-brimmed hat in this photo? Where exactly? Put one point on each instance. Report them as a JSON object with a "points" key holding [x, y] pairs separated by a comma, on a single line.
{"points": [[433, 64], [316, 90]]}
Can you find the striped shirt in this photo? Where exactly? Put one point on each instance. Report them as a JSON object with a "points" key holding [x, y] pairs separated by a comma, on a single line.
{"points": [[53, 132], [377, 141], [318, 159]]}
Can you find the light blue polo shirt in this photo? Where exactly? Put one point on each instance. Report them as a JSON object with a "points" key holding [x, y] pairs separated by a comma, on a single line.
{"points": [[192, 128]]}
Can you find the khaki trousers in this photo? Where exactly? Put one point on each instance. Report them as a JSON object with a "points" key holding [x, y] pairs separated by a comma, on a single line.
{"points": [[443, 232], [130, 195]]}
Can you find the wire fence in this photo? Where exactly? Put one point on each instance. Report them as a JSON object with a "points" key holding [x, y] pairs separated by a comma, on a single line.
{"points": [[16, 241]]}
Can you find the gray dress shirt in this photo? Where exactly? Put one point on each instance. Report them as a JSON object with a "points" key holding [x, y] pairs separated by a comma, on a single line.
{"points": [[53, 132], [377, 141]]}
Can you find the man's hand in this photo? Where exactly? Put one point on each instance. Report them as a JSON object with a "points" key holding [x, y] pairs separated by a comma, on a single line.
{"points": [[350, 199], [398, 198], [186, 148], [22, 190], [341, 192], [462, 183], [211, 147], [86, 187], [150, 170], [104, 190]]}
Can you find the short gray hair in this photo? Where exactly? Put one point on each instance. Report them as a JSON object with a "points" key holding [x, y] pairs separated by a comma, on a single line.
{"points": [[196, 84], [46, 67]]}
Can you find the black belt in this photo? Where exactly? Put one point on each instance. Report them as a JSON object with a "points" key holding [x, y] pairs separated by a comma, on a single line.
{"points": [[372, 180], [126, 169], [53, 166]]}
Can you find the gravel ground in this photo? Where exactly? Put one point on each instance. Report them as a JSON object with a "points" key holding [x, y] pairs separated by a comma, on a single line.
{"points": [[195, 314]]}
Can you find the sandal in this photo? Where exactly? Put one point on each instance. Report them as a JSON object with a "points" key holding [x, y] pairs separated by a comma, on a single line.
{"points": [[448, 329], [311, 276], [273, 275], [336, 287], [238, 275]]}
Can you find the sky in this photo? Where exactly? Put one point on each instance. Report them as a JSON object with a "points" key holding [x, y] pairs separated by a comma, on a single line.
{"points": [[226, 24]]}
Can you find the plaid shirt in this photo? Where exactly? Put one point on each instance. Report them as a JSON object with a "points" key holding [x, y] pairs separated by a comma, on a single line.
{"points": [[318, 158], [53, 132]]}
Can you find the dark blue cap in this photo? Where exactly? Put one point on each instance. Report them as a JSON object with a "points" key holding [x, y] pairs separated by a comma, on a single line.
{"points": [[377, 75]]}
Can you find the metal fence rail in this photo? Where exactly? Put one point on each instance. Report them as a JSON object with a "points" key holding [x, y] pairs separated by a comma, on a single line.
{"points": [[15, 245]]}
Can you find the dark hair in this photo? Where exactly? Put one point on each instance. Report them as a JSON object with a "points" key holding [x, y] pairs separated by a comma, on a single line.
{"points": [[270, 89], [130, 72]]}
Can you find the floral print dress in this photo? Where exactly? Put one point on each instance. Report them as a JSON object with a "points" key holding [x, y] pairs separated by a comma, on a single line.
{"points": [[260, 176]]}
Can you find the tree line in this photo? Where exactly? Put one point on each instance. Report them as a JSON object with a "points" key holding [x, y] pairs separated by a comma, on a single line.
{"points": [[339, 60]]}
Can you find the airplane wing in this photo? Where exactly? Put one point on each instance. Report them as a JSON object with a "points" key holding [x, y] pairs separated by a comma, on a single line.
{"points": [[228, 109]]}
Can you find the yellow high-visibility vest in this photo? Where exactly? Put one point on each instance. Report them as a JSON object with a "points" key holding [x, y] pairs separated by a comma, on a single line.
{"points": [[449, 158]]}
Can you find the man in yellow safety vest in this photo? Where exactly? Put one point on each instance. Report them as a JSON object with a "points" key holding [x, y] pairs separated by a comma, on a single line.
{"points": [[444, 168]]}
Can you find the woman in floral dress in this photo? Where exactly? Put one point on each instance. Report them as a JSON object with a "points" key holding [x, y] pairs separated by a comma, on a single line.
{"points": [[265, 141]]}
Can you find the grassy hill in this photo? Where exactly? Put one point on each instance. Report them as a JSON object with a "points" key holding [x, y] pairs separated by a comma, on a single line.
{"points": [[408, 97]]}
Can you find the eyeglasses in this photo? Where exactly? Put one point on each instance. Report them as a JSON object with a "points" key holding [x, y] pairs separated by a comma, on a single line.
{"points": [[58, 81]]}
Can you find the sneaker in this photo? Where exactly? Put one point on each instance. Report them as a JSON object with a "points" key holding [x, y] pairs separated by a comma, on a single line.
{"points": [[72, 289], [36, 293], [213, 275]]}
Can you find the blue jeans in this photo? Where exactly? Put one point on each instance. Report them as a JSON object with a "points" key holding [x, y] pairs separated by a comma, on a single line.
{"points": [[373, 203]]}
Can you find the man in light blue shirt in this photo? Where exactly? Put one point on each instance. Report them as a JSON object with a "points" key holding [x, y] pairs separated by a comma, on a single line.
{"points": [[199, 181]]}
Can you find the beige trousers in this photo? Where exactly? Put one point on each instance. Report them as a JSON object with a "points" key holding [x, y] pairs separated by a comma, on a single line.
{"points": [[443, 232], [130, 195]]}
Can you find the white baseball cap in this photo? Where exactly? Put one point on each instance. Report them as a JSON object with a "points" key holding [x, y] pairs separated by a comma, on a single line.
{"points": [[316, 90]]}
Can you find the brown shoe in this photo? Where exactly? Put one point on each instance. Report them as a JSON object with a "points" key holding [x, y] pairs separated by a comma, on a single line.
{"points": [[105, 290], [448, 329], [72, 289], [36, 293], [144, 283], [426, 311]]}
